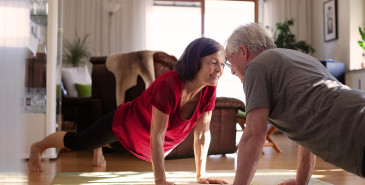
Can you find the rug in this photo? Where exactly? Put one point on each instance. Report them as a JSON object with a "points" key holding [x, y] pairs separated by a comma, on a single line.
{"points": [[262, 177]]}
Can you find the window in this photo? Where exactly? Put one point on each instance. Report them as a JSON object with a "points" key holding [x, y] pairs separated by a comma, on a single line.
{"points": [[176, 23], [221, 18], [174, 26]]}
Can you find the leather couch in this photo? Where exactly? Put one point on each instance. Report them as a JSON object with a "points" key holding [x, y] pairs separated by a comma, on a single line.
{"points": [[84, 111]]}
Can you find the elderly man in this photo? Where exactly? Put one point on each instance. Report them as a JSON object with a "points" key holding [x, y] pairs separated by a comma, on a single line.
{"points": [[296, 93]]}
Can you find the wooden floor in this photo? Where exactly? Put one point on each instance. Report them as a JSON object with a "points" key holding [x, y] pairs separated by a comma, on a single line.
{"points": [[82, 162]]}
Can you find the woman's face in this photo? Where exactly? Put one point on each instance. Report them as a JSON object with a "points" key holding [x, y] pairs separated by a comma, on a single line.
{"points": [[211, 68]]}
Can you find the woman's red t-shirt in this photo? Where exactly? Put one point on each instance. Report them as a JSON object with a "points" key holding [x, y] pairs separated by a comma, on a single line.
{"points": [[132, 120]]}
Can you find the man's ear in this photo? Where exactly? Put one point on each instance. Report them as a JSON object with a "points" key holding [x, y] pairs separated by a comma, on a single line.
{"points": [[244, 51]]}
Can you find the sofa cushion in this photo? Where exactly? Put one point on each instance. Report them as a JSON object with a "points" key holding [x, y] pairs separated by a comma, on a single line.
{"points": [[73, 75], [83, 90]]}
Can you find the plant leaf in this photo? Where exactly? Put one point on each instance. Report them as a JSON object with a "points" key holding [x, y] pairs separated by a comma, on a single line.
{"points": [[284, 38], [361, 44], [362, 34], [77, 50]]}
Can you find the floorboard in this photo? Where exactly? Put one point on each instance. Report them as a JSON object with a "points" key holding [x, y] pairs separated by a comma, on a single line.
{"points": [[82, 162]]}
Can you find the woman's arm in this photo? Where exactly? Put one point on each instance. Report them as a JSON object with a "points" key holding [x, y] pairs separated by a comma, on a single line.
{"points": [[201, 145], [158, 130]]}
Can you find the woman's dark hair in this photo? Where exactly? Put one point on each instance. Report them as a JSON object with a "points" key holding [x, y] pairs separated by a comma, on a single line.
{"points": [[189, 63]]}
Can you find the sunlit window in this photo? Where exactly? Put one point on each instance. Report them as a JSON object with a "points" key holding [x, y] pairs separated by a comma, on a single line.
{"points": [[221, 18], [14, 34], [175, 24]]}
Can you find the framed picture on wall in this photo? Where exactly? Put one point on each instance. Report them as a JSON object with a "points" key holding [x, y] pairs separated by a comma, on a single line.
{"points": [[330, 20]]}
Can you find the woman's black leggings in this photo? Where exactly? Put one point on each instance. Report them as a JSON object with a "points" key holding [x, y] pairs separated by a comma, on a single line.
{"points": [[97, 135]]}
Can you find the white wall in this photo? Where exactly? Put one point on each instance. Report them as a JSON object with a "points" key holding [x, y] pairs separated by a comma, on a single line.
{"points": [[350, 15], [357, 18], [274, 11]]}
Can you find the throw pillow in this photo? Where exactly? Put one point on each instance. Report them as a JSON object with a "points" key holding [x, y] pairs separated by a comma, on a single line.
{"points": [[73, 75], [83, 90]]}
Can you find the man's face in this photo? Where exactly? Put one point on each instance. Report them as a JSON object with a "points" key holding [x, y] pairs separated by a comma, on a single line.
{"points": [[236, 59]]}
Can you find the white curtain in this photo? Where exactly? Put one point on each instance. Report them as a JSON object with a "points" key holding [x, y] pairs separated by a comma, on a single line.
{"points": [[280, 10], [123, 31]]}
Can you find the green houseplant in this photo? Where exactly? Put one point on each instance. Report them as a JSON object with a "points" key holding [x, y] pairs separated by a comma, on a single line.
{"points": [[362, 41], [76, 51], [284, 38]]}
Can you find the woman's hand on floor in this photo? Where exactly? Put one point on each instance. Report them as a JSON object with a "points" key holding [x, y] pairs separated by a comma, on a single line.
{"points": [[212, 181]]}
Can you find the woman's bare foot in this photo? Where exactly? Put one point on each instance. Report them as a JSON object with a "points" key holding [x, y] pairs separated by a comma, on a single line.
{"points": [[35, 157], [99, 160]]}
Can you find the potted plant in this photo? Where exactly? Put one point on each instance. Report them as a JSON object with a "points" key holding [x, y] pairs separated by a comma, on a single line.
{"points": [[362, 44], [284, 38], [362, 41], [76, 51]]}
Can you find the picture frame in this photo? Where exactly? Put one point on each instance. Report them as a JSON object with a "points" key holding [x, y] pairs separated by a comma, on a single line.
{"points": [[330, 20]]}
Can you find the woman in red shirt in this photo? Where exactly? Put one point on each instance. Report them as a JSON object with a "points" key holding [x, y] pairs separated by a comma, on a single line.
{"points": [[159, 119]]}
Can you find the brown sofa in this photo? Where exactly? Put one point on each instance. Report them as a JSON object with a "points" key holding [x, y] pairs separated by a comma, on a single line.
{"points": [[102, 101]]}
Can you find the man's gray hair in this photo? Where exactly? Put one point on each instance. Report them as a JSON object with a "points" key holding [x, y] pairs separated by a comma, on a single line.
{"points": [[252, 35]]}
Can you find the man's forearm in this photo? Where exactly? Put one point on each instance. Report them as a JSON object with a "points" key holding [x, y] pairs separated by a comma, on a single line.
{"points": [[249, 152], [306, 164], [250, 146]]}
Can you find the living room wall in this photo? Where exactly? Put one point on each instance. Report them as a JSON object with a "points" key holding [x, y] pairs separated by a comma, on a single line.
{"points": [[350, 15]]}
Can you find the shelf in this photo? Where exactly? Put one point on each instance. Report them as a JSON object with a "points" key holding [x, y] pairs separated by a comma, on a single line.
{"points": [[39, 125]]}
